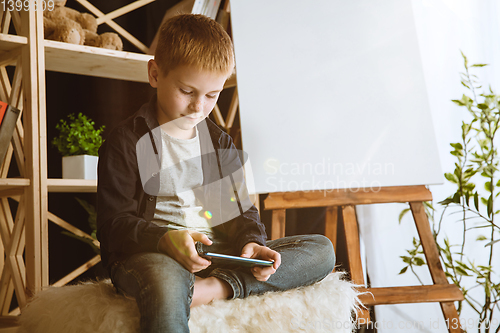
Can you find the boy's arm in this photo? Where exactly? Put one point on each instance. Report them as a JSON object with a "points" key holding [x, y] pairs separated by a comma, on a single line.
{"points": [[119, 227]]}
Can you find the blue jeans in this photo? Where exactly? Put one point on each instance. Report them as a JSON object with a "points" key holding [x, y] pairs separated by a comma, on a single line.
{"points": [[163, 288]]}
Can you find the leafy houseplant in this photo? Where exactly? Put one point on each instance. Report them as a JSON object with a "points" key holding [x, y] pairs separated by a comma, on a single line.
{"points": [[476, 166], [78, 137]]}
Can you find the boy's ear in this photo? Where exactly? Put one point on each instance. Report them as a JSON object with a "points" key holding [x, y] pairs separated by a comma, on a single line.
{"points": [[153, 73]]}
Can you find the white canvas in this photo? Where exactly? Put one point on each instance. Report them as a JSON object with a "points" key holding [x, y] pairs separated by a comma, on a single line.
{"points": [[332, 95]]}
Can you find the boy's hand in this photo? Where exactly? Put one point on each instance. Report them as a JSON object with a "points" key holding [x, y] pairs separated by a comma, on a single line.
{"points": [[179, 245], [256, 251]]}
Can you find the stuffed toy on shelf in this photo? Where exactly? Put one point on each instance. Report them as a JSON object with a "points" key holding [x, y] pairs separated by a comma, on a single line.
{"points": [[68, 25]]}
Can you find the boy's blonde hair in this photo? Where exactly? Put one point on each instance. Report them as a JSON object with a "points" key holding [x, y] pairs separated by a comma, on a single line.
{"points": [[194, 40]]}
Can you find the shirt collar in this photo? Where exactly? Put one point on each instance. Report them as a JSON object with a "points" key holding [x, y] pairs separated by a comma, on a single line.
{"points": [[146, 114]]}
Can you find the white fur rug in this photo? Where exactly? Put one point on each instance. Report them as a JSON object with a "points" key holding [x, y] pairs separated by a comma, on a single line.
{"points": [[327, 306]]}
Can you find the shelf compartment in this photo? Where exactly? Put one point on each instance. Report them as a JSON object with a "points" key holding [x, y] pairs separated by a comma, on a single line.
{"points": [[13, 186], [95, 61], [72, 185], [11, 42], [10, 48]]}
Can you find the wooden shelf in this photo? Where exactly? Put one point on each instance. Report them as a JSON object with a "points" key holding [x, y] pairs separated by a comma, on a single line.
{"points": [[94, 61], [13, 186], [11, 42], [9, 324], [10, 48], [83, 60], [72, 185]]}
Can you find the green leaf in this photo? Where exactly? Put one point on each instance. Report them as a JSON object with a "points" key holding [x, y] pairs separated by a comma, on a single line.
{"points": [[465, 85], [492, 242], [481, 238], [465, 59], [419, 261], [451, 177], [403, 213], [446, 201], [490, 205], [457, 145], [487, 186], [476, 201], [403, 270], [483, 106], [461, 264], [458, 102], [479, 65], [461, 271], [406, 260]]}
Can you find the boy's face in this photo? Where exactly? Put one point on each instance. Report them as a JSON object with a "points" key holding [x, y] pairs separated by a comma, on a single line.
{"points": [[186, 96]]}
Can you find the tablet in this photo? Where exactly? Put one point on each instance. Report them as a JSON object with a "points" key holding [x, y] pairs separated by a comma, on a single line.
{"points": [[236, 260]]}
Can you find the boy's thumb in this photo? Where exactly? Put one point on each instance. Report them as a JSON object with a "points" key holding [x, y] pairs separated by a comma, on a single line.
{"points": [[199, 237]]}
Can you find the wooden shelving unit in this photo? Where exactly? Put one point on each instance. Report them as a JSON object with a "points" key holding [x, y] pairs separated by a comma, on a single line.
{"points": [[24, 233]]}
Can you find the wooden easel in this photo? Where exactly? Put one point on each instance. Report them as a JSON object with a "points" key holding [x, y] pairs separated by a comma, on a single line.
{"points": [[441, 291]]}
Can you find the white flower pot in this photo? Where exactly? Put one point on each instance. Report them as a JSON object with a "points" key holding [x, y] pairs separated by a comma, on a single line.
{"points": [[79, 167]]}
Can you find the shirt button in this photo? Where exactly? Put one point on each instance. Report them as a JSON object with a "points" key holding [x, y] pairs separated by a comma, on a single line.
{"points": [[154, 174], [151, 198]]}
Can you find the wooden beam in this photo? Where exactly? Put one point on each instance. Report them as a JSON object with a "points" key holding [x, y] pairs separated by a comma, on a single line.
{"points": [[433, 262], [331, 225], [36, 194], [233, 108], [354, 255], [343, 197], [77, 272], [123, 10], [5, 84], [72, 185], [5, 22], [9, 57], [42, 148], [352, 244], [95, 61], [115, 26], [69, 227], [16, 19], [218, 117], [278, 224], [410, 294], [9, 324], [231, 82]]}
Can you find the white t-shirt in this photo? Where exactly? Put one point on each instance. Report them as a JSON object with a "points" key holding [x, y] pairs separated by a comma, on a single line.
{"points": [[181, 173]]}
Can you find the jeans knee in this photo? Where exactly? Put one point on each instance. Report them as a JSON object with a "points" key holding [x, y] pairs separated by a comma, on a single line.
{"points": [[326, 253]]}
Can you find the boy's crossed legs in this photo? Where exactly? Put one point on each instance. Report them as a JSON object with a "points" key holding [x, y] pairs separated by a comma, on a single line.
{"points": [[164, 290]]}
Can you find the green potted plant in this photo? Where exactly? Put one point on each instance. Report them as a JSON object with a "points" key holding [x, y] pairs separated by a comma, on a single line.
{"points": [[475, 204], [78, 142]]}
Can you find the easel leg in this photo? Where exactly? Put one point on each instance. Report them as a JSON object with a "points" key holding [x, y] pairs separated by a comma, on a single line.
{"points": [[331, 225], [435, 268], [354, 254], [278, 224]]}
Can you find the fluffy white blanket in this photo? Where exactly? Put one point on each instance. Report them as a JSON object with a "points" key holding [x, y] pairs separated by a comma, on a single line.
{"points": [[327, 306]]}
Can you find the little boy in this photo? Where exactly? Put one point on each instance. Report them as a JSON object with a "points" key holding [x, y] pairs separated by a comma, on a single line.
{"points": [[171, 187]]}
